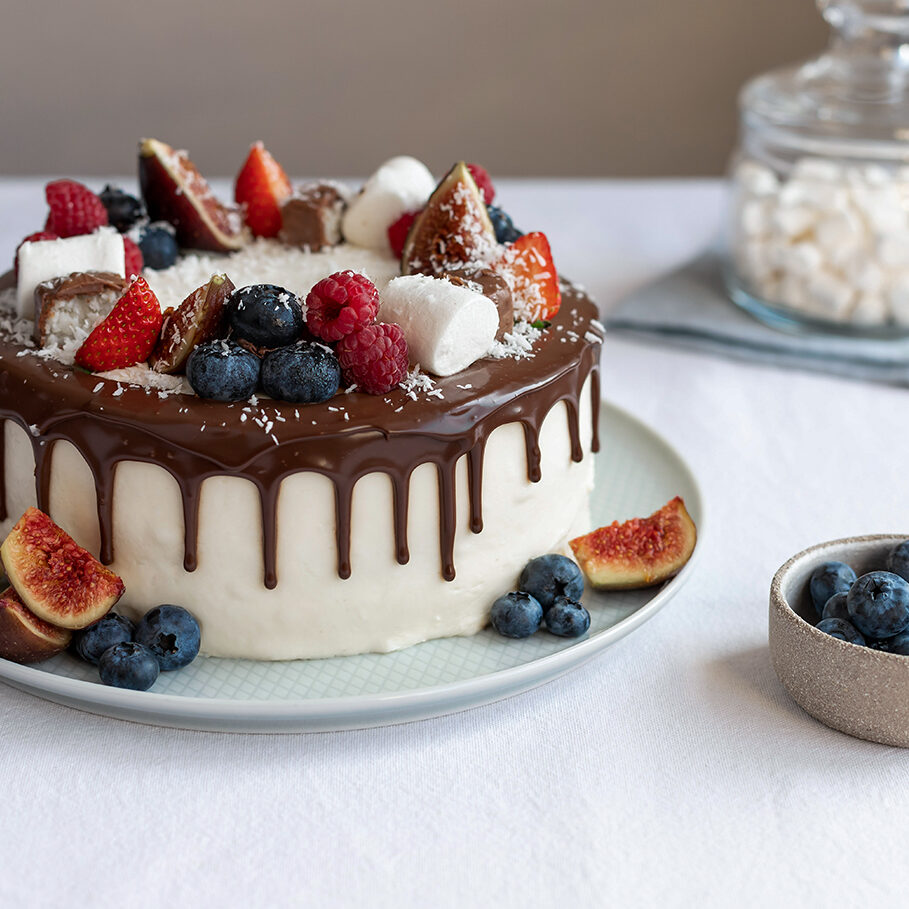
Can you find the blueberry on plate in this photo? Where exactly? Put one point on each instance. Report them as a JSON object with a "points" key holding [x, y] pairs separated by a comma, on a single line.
{"points": [[516, 615], [90, 643], [828, 579], [898, 560], [878, 604], [265, 315], [304, 373], [223, 371], [123, 210], [567, 618], [159, 246], [172, 634], [129, 665], [835, 608], [505, 230], [839, 628], [549, 576]]}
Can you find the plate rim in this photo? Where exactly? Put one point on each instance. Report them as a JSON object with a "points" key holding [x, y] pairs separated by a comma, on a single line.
{"points": [[383, 708]]}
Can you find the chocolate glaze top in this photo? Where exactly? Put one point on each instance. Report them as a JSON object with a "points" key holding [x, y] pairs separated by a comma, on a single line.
{"points": [[344, 438]]}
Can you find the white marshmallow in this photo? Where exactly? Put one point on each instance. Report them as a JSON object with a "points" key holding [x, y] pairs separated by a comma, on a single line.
{"points": [[870, 309], [820, 169], [45, 259], [399, 185], [755, 218], [832, 295], [794, 221], [447, 326], [802, 259], [756, 179]]}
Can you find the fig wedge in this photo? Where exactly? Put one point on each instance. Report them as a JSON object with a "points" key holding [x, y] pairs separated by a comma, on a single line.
{"points": [[198, 319], [640, 552], [56, 578], [175, 191], [452, 230], [24, 638]]}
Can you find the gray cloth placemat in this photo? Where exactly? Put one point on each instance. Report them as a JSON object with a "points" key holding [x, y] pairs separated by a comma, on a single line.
{"points": [[690, 308]]}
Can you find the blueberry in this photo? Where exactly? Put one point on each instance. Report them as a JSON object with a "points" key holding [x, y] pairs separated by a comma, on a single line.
{"points": [[506, 232], [265, 315], [301, 374], [898, 560], [878, 604], [828, 579], [839, 628], [550, 576], [172, 634], [159, 246], [835, 608], [128, 665], [123, 210], [91, 642], [897, 644], [223, 371], [516, 615], [567, 618]]}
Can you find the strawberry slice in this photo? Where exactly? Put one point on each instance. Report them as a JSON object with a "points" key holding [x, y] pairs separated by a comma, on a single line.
{"points": [[529, 271], [262, 188], [127, 336]]}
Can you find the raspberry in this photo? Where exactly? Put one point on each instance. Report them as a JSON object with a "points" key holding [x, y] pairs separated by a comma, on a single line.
{"points": [[340, 304], [134, 261], [32, 238], [397, 232], [74, 209], [374, 358], [484, 182]]}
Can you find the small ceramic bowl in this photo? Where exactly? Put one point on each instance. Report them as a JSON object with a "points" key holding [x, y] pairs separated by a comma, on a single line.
{"points": [[856, 690]]}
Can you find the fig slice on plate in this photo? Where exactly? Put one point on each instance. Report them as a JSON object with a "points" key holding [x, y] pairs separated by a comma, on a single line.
{"points": [[198, 319], [24, 638], [640, 552], [175, 191], [452, 230], [56, 578]]}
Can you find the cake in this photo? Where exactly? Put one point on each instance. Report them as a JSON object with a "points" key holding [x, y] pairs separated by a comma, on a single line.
{"points": [[365, 522]]}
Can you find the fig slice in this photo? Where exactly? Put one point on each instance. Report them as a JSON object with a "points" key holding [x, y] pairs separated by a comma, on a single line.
{"points": [[640, 552], [175, 191], [24, 638], [452, 230], [56, 578], [198, 319]]}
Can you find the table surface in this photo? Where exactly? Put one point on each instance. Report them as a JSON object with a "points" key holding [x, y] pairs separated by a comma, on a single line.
{"points": [[674, 768]]}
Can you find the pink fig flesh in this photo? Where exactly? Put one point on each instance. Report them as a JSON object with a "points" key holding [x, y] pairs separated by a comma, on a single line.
{"points": [[56, 578], [640, 552]]}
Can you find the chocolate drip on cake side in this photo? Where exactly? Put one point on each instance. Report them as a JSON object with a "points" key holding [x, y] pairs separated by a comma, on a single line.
{"points": [[389, 434]]}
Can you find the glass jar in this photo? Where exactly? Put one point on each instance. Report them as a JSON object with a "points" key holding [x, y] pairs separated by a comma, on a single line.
{"points": [[819, 234]]}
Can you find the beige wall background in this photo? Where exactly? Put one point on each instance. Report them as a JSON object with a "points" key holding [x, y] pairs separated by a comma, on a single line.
{"points": [[527, 87]]}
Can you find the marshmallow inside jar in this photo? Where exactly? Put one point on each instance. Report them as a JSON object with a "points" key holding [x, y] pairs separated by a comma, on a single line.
{"points": [[447, 326]]}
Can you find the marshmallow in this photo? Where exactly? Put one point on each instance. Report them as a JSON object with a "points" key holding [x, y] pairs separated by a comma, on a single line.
{"points": [[42, 260], [756, 179], [447, 326], [399, 185], [870, 309]]}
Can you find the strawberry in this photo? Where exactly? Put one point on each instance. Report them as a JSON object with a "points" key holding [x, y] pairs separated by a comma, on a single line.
{"points": [[262, 188], [397, 232], [528, 269], [484, 181], [74, 209], [133, 256], [32, 238], [127, 336]]}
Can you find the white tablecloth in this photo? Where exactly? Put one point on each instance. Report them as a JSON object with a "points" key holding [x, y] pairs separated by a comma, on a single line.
{"points": [[672, 769]]}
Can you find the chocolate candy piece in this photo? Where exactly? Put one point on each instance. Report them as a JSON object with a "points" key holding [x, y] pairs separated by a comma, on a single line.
{"points": [[83, 297], [485, 281], [311, 217]]}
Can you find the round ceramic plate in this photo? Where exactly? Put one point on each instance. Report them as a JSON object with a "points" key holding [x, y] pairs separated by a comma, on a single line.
{"points": [[637, 472]]}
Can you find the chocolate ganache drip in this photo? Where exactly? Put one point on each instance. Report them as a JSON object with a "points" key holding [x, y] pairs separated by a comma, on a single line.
{"points": [[194, 440]]}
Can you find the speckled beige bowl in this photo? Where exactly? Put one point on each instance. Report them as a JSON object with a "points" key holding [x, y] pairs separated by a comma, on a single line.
{"points": [[856, 690]]}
